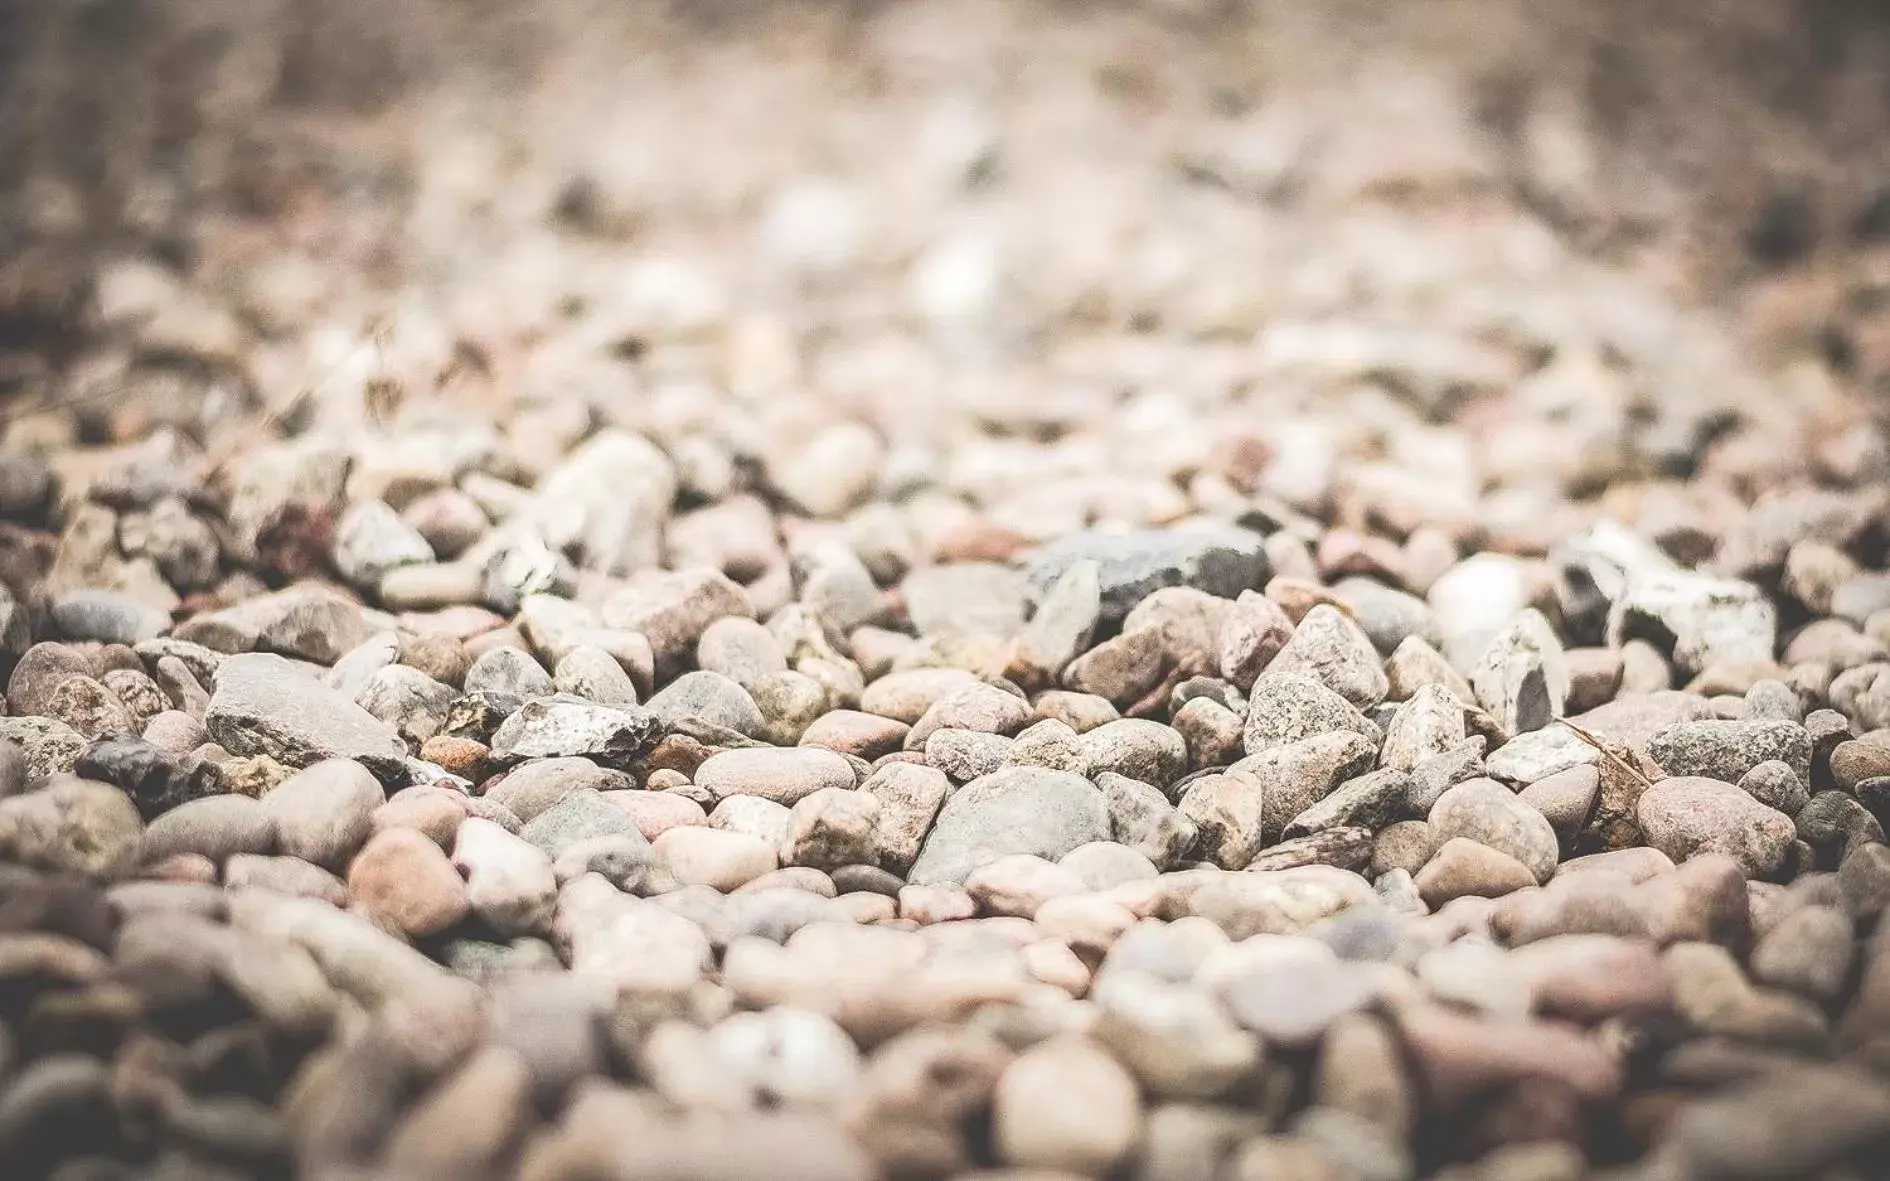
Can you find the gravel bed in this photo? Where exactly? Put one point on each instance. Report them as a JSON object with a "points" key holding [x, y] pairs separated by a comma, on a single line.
{"points": [[1106, 632]]}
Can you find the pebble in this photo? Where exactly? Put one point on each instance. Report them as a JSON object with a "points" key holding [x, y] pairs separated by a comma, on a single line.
{"points": [[404, 879], [1688, 815], [1328, 647], [1066, 1105], [570, 727], [1131, 566], [580, 816], [216, 827], [831, 828], [73, 826], [323, 814], [264, 706], [785, 776], [1488, 813], [509, 882], [1463, 867], [533, 787], [1285, 709], [1014, 810], [725, 861], [1727, 750], [709, 697]]}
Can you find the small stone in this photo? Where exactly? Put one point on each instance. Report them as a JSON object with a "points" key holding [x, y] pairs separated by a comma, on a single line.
{"points": [[1142, 819], [725, 861], [967, 754], [1081, 712], [1226, 811], [405, 880], [108, 617], [1566, 799], [264, 706], [1370, 801], [509, 881], [673, 610], [1018, 884], [1726, 750], [1686, 816], [216, 827], [72, 826], [1710, 621], [531, 788], [565, 727], [46, 746], [833, 827], [905, 696], [986, 709], [1429, 723], [1288, 989], [1176, 1041], [1060, 628], [1215, 735], [1809, 952], [1122, 669], [1464, 867], [595, 675], [1521, 677], [91, 709], [579, 817], [1131, 566], [410, 701], [1285, 709], [1776, 785], [1414, 664], [1137, 748], [1487, 812], [323, 814], [1252, 633], [755, 817], [1015, 810], [1066, 1105], [371, 539], [1329, 648], [1294, 778], [785, 776], [965, 598], [709, 697]]}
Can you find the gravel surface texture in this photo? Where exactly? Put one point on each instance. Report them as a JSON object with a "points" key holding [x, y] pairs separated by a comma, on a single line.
{"points": [[948, 595]]}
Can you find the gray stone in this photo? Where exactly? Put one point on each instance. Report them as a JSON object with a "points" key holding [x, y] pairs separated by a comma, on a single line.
{"points": [[531, 788], [372, 539], [1331, 649], [1522, 678], [508, 674], [1484, 811], [325, 812], [1285, 709], [1776, 785], [410, 701], [1138, 748], [709, 697], [107, 616], [1727, 750], [580, 816], [73, 826], [1061, 626], [1707, 620], [264, 705], [909, 796], [1294, 778], [1014, 810], [1370, 801], [785, 776], [1130, 566], [966, 598], [216, 827], [561, 726]]}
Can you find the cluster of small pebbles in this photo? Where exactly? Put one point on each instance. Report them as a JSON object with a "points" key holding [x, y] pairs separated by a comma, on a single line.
{"points": [[1432, 724]]}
